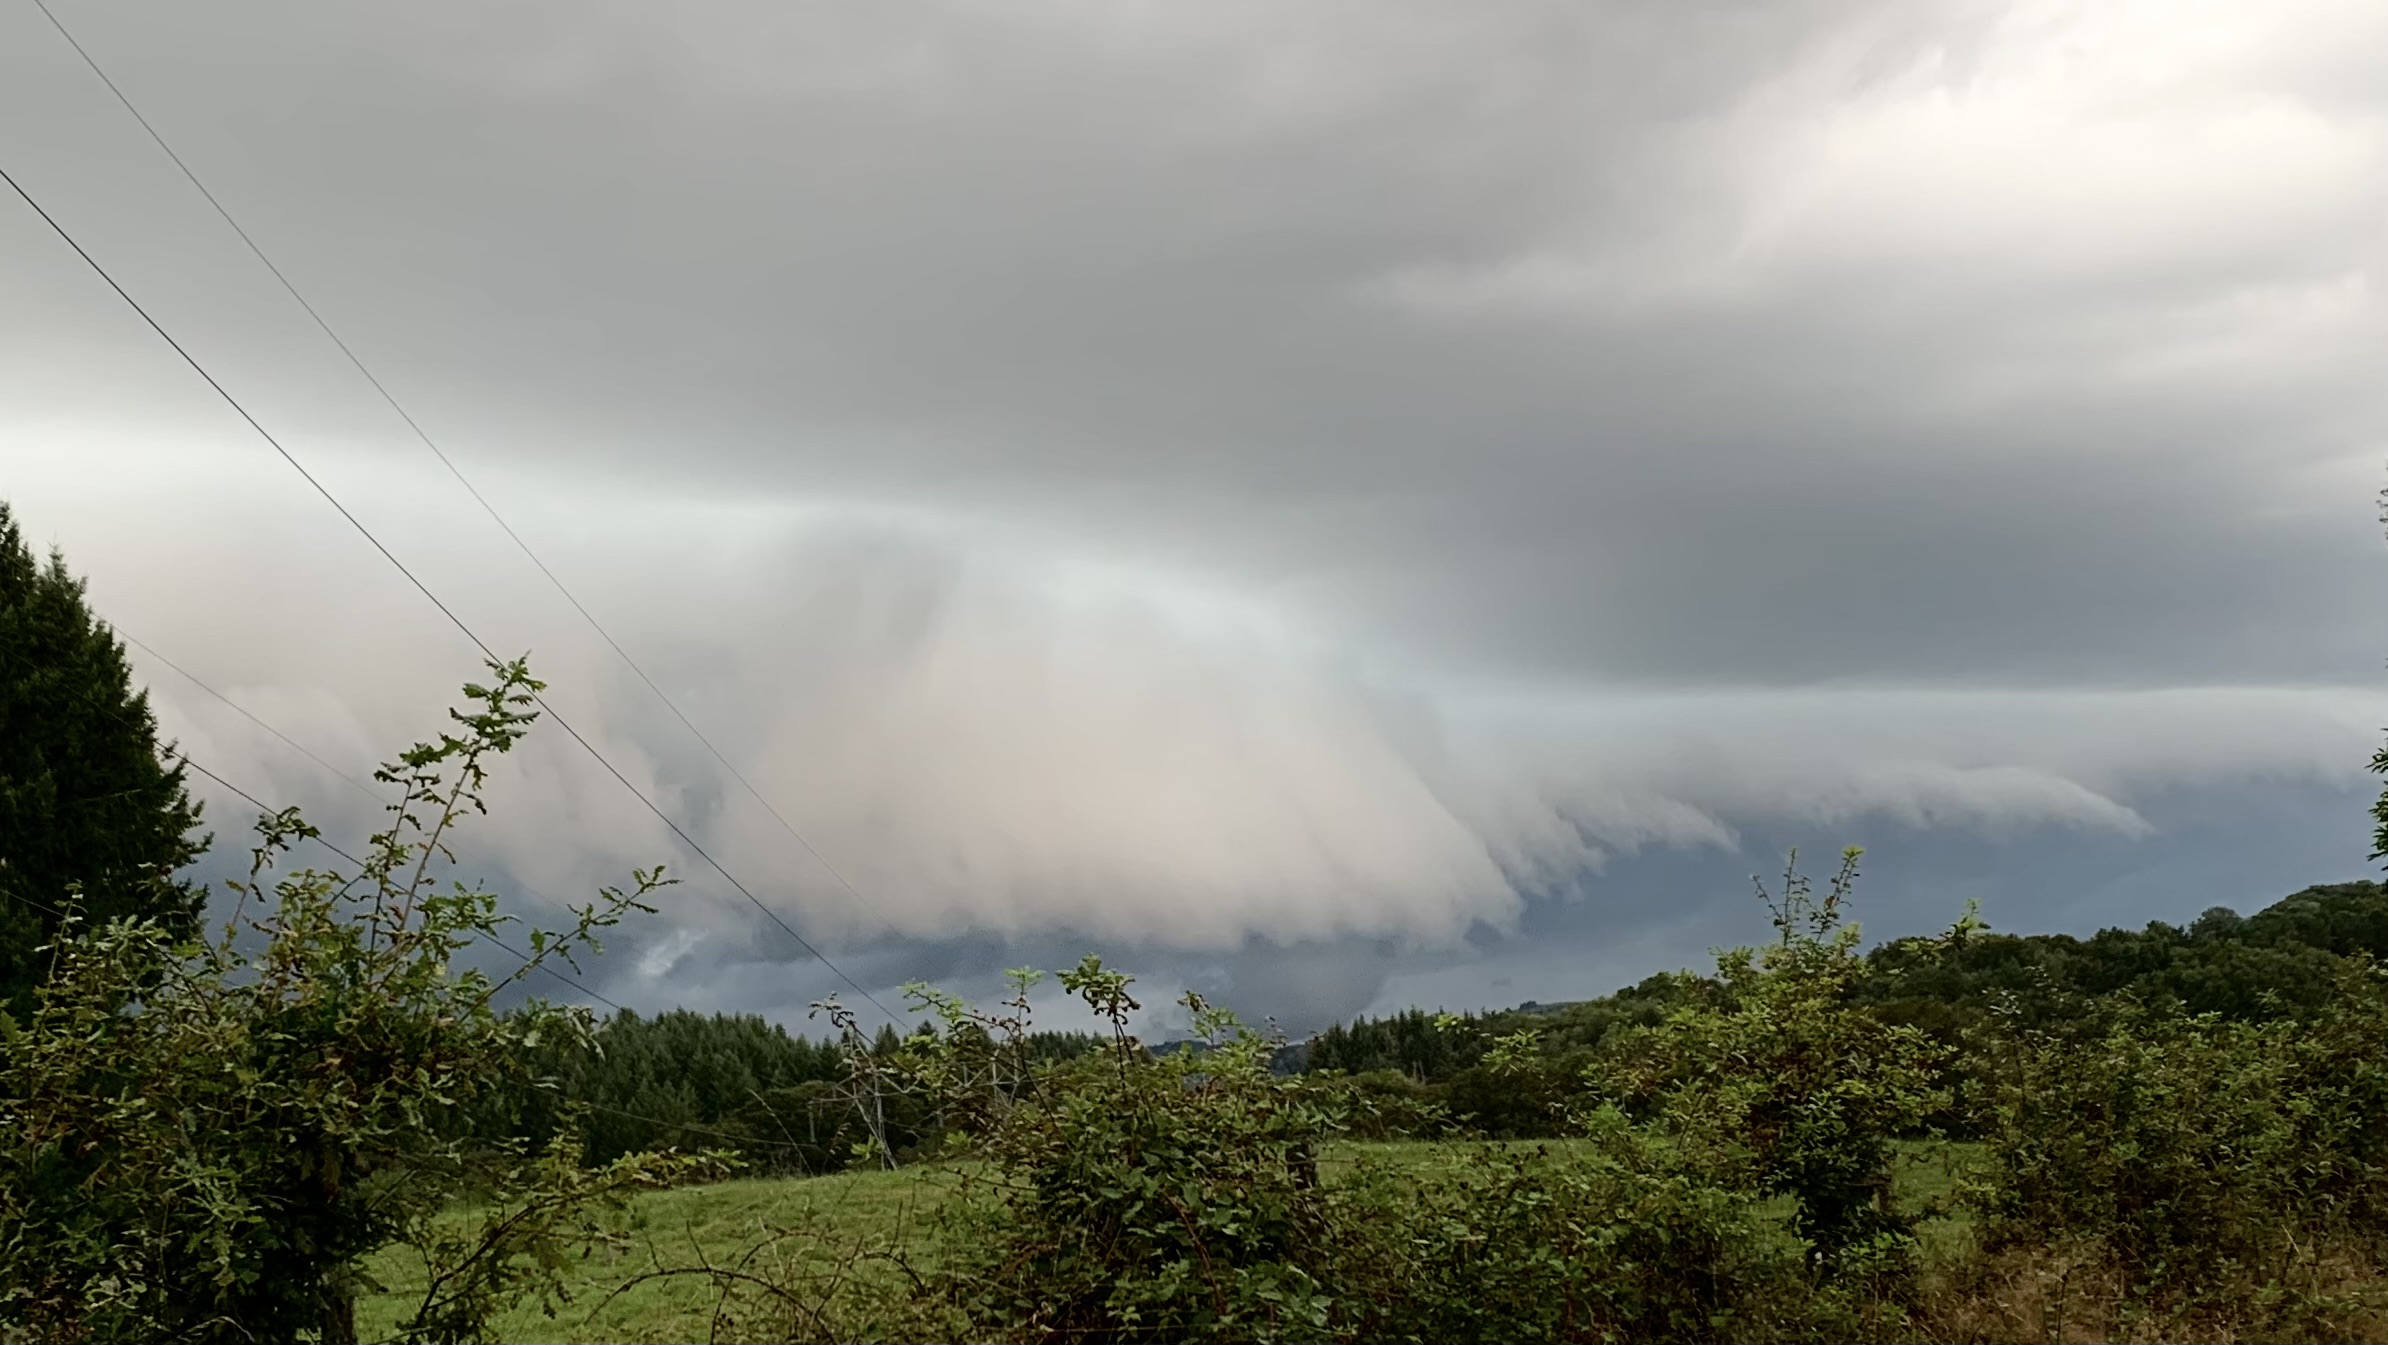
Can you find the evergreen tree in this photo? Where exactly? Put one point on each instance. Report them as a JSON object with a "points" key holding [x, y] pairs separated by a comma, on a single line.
{"points": [[86, 804]]}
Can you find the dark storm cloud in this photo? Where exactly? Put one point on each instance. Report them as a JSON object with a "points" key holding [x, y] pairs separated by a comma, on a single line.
{"points": [[1239, 477], [1552, 322]]}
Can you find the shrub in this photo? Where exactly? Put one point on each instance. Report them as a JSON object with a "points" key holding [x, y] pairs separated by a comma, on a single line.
{"points": [[1384, 1105], [2184, 1146], [202, 1141], [1778, 1082], [1615, 1242], [1134, 1196]]}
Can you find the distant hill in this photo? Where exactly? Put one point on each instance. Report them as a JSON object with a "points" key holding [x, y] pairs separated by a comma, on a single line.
{"points": [[2274, 962]]}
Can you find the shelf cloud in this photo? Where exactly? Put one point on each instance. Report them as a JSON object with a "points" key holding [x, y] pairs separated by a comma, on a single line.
{"points": [[1265, 487]]}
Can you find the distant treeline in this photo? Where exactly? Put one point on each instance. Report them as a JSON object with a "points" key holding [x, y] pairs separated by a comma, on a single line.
{"points": [[2277, 963], [694, 1081], [783, 1102]]}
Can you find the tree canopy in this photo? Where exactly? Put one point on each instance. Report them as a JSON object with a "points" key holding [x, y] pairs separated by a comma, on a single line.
{"points": [[92, 815]]}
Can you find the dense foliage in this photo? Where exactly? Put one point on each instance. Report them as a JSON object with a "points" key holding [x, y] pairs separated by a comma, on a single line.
{"points": [[92, 821], [736, 1083], [689, 1081], [2280, 963], [2180, 1140], [1729, 1145], [204, 1140], [1774, 1072]]}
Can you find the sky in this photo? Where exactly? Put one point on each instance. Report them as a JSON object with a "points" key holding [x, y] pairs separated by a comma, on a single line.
{"points": [[1337, 505]]}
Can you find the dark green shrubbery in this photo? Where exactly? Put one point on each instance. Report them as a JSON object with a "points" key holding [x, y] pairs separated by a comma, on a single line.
{"points": [[1616, 1240], [2151, 1174], [1781, 1082], [1135, 1196], [2277, 962], [2192, 1151], [1729, 1176], [1129, 1196], [1382, 1105]]}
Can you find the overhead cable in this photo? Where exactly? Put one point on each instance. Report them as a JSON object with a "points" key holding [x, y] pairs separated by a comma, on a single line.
{"points": [[444, 610], [428, 442]]}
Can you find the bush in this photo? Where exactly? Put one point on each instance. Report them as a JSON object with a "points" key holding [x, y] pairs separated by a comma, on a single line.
{"points": [[1618, 1243], [203, 1141], [2187, 1147], [1780, 1083], [1384, 1105], [1133, 1196]]}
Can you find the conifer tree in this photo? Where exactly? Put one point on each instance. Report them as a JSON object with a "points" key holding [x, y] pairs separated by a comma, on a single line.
{"points": [[91, 816]]}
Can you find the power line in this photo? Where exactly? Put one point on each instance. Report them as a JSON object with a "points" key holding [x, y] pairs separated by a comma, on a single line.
{"points": [[462, 480], [527, 960], [425, 590], [538, 964], [453, 470], [293, 744], [261, 806], [243, 711]]}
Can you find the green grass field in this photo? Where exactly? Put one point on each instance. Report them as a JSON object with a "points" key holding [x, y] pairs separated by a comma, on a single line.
{"points": [[721, 1223], [716, 1224]]}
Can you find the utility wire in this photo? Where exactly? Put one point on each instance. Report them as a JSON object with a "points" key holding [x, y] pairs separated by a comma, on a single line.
{"points": [[425, 590], [453, 470], [261, 806], [186, 759], [294, 745], [527, 960], [243, 711]]}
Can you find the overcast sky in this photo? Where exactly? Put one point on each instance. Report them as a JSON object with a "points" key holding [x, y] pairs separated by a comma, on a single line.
{"points": [[1341, 504]]}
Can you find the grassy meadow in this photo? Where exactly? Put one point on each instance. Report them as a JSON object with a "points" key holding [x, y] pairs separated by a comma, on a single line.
{"points": [[756, 1225]]}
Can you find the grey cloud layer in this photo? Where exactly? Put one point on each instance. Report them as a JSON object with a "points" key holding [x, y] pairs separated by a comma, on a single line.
{"points": [[1719, 342]]}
